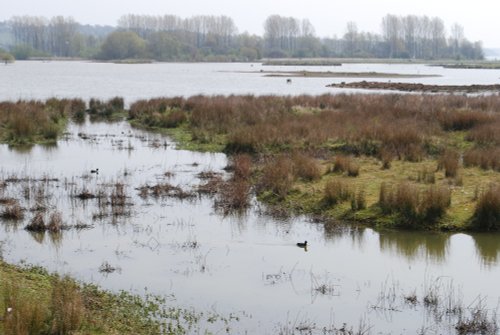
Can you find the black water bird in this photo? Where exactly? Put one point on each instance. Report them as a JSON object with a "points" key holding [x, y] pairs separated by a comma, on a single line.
{"points": [[302, 245], [96, 171]]}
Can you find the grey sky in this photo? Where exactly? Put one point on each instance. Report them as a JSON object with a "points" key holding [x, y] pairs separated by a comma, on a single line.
{"points": [[329, 17]]}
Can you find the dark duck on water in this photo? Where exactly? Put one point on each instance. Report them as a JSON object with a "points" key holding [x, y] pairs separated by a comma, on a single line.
{"points": [[302, 245]]}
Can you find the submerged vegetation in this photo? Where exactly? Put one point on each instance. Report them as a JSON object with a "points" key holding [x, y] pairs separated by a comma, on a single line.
{"points": [[371, 155]]}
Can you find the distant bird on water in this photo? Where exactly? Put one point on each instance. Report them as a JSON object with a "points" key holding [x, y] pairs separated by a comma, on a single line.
{"points": [[96, 171], [302, 245]]}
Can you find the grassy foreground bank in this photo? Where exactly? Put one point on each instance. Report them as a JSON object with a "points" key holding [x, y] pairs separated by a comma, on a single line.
{"points": [[411, 161], [33, 301]]}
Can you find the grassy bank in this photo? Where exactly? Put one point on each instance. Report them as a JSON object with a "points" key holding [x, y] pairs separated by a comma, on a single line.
{"points": [[421, 162], [35, 302]]}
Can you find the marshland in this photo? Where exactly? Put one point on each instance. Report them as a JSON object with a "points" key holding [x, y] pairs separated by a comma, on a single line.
{"points": [[208, 176]]}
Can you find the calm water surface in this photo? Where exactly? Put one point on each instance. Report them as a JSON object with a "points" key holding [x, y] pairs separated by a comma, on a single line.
{"points": [[41, 80], [246, 265]]}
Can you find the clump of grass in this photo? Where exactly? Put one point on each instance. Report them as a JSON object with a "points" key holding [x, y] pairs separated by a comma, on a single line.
{"points": [[234, 195], [485, 158], [55, 223], [386, 157], [211, 186], [341, 163], [107, 268], [241, 166], [413, 205], [335, 192], [306, 167], [487, 134], [479, 322], [12, 212], [434, 202], [346, 164], [27, 122], [457, 120], [358, 200], [85, 194], [27, 316], [426, 176], [277, 176], [487, 213], [105, 110], [38, 224], [156, 191], [67, 306], [450, 162]]}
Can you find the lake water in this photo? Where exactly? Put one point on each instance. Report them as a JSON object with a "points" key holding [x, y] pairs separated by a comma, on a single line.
{"points": [[243, 265], [41, 80]]}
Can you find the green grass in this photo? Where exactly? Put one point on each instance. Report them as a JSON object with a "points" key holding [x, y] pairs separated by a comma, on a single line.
{"points": [[42, 302]]}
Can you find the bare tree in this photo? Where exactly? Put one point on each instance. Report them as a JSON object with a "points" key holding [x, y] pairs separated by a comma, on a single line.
{"points": [[457, 37]]}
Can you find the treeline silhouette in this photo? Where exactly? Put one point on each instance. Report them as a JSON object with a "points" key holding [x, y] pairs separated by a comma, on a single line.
{"points": [[216, 38]]}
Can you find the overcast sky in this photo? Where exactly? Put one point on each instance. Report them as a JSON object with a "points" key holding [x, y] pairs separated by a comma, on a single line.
{"points": [[329, 17]]}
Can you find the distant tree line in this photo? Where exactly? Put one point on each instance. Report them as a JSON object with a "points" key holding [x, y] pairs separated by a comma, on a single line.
{"points": [[204, 37], [59, 36]]}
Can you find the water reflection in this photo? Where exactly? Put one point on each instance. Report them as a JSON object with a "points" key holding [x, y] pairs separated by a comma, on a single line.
{"points": [[487, 248], [22, 149], [414, 245]]}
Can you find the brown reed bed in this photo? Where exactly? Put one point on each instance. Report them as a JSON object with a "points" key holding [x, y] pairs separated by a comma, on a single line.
{"points": [[294, 140], [25, 122], [404, 126]]}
